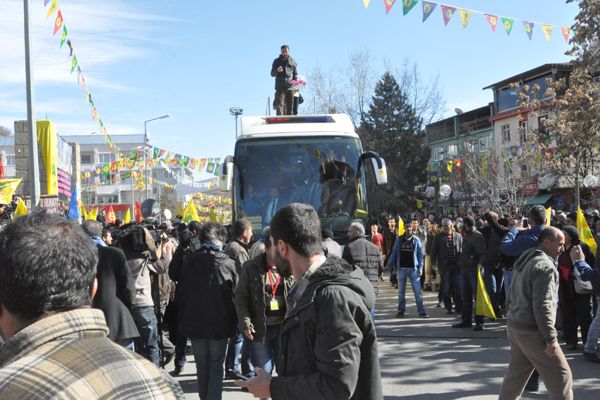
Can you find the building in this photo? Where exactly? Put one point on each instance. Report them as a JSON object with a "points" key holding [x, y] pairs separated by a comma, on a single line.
{"points": [[7, 155], [455, 143]]}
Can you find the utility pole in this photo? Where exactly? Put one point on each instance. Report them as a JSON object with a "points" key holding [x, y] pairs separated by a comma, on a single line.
{"points": [[34, 169], [146, 147], [236, 112]]}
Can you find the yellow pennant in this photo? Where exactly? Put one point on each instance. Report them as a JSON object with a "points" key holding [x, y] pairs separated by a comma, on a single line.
{"points": [[547, 28], [465, 17], [127, 218], [483, 305], [53, 7], [189, 213], [585, 234], [366, 3], [21, 209], [548, 215], [400, 226]]}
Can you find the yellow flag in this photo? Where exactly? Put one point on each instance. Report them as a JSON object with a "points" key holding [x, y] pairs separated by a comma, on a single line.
{"points": [[83, 211], [189, 213], [212, 216], [547, 28], [179, 210], [585, 234], [48, 141], [465, 17], [21, 209], [400, 226], [548, 215], [53, 8], [366, 3], [93, 214], [483, 305], [127, 218], [7, 189], [419, 204]]}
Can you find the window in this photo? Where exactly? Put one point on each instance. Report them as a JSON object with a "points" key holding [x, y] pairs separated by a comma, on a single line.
{"points": [[523, 127], [505, 133], [452, 150], [484, 144], [86, 158], [105, 158], [438, 154], [10, 160], [541, 125]]}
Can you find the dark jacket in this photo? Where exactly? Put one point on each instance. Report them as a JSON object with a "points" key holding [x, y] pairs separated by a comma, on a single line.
{"points": [[492, 247], [473, 250], [205, 295], [290, 72], [328, 345], [365, 255], [439, 250], [515, 242], [116, 291], [389, 238], [250, 295]]}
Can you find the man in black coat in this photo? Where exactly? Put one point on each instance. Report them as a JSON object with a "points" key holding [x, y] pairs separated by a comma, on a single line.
{"points": [[328, 341], [284, 69], [360, 252], [445, 253], [116, 290], [206, 311]]}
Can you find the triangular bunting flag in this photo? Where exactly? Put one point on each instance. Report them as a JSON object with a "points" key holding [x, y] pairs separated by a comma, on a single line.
{"points": [[428, 9], [547, 28], [53, 8], [111, 217], [57, 22], [63, 39], [566, 32], [73, 64], [70, 47], [21, 209], [388, 5], [465, 17], [508, 24], [366, 3], [447, 13], [127, 218], [493, 20], [408, 5], [528, 28]]}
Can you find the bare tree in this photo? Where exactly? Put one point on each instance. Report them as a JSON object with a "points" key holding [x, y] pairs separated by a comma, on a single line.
{"points": [[4, 131]]}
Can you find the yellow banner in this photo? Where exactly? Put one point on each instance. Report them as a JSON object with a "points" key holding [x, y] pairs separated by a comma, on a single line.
{"points": [[585, 233], [48, 144], [483, 304], [7, 189]]}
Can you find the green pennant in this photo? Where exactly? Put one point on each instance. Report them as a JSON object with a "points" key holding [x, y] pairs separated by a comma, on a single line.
{"points": [[408, 5], [63, 37], [73, 63], [508, 24]]}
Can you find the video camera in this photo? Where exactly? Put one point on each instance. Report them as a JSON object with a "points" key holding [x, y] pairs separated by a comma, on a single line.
{"points": [[133, 235]]}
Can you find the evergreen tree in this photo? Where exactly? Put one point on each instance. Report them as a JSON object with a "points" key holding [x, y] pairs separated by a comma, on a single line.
{"points": [[392, 128]]}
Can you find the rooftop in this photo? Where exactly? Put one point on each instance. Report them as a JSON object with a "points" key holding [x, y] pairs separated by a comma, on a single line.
{"points": [[556, 67]]}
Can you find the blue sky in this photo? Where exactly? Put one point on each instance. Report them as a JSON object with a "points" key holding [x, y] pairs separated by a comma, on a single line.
{"points": [[195, 59]]}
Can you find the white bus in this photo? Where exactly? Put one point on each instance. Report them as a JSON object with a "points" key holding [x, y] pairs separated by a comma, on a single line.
{"points": [[316, 160]]}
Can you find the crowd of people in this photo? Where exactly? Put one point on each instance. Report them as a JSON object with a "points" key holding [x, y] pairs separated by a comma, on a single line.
{"points": [[283, 310]]}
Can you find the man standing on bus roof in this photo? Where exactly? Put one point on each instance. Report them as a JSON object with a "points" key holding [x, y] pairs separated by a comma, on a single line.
{"points": [[284, 70]]}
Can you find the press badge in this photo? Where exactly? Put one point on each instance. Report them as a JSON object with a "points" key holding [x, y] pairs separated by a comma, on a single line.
{"points": [[274, 305]]}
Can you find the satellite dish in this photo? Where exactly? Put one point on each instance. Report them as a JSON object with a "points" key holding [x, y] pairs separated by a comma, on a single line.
{"points": [[445, 190], [150, 208], [167, 213]]}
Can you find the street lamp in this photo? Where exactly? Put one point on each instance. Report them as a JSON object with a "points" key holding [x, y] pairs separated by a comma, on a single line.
{"points": [[236, 112], [146, 142]]}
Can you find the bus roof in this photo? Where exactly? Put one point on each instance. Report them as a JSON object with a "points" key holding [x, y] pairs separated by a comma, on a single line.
{"points": [[297, 125]]}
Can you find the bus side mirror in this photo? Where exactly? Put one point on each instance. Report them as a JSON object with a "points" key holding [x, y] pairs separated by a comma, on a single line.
{"points": [[380, 171], [226, 174]]}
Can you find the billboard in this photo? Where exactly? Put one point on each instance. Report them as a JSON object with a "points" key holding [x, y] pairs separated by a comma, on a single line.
{"points": [[65, 169]]}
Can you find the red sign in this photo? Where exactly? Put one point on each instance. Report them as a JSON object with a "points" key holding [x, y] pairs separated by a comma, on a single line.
{"points": [[530, 188]]}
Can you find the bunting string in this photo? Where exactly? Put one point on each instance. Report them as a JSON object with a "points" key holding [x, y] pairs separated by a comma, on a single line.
{"points": [[448, 11]]}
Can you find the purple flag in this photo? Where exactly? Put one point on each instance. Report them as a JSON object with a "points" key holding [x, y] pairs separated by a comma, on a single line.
{"points": [[428, 9]]}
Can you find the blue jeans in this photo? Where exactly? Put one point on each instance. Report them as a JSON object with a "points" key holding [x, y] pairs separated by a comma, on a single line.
{"points": [[593, 334], [468, 282], [209, 355], [263, 352], [412, 274], [147, 346], [238, 345]]}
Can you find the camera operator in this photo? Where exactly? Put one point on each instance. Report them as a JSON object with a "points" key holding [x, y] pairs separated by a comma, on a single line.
{"points": [[145, 261], [188, 242]]}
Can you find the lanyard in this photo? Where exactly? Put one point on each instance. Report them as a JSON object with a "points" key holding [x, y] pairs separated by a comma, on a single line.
{"points": [[274, 285]]}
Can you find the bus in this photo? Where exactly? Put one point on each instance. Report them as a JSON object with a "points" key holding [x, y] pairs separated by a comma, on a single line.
{"points": [[317, 160]]}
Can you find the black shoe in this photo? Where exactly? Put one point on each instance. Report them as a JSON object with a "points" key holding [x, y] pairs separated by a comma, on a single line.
{"points": [[593, 357], [571, 346], [399, 315], [168, 358], [439, 305], [231, 375], [532, 387], [463, 324], [449, 311], [478, 327], [423, 316], [176, 371]]}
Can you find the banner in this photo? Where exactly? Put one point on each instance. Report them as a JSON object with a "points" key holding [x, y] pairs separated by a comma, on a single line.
{"points": [[48, 146], [465, 17], [388, 5], [528, 28], [585, 234], [7, 189], [447, 13], [493, 21], [408, 5], [428, 8]]}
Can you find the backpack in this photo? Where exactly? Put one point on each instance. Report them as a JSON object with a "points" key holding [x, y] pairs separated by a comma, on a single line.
{"points": [[581, 287]]}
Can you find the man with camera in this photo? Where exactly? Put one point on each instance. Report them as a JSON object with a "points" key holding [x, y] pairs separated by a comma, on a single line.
{"points": [[284, 70]]}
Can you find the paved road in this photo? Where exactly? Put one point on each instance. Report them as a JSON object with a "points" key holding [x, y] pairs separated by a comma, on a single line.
{"points": [[427, 359]]}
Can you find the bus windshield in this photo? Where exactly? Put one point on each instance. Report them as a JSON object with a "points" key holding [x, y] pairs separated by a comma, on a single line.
{"points": [[320, 171]]}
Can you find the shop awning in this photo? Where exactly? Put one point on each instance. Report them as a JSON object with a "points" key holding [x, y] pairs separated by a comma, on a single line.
{"points": [[541, 199]]}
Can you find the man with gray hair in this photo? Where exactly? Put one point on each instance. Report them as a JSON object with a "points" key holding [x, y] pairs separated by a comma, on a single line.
{"points": [[361, 253], [531, 318]]}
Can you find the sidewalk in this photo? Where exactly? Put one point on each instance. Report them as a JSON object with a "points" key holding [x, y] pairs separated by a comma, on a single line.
{"points": [[427, 359]]}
